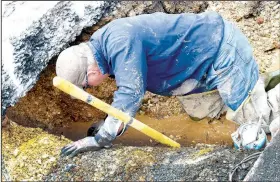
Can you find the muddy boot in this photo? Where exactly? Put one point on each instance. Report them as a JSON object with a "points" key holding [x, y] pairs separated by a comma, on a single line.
{"points": [[259, 105]]}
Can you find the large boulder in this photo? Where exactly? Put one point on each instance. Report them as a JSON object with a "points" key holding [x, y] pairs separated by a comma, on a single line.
{"points": [[34, 32], [266, 168]]}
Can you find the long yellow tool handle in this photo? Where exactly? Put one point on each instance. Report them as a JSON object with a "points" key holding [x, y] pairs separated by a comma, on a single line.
{"points": [[78, 93]]}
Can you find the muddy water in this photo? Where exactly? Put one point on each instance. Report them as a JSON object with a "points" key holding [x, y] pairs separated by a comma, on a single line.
{"points": [[180, 128]]}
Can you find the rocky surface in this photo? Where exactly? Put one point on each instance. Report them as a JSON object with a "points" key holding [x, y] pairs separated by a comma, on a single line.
{"points": [[202, 163], [266, 168], [30, 154]]}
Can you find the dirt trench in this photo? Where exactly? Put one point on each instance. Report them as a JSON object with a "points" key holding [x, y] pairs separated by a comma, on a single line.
{"points": [[46, 107]]}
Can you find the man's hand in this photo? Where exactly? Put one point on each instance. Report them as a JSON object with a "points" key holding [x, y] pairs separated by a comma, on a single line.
{"points": [[83, 145]]}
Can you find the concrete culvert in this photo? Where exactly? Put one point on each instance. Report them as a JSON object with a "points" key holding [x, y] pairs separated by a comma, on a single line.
{"points": [[43, 119]]}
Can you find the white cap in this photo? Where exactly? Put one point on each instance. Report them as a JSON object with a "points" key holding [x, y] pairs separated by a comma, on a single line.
{"points": [[72, 63]]}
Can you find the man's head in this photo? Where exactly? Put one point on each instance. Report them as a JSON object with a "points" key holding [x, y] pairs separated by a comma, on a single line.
{"points": [[77, 65]]}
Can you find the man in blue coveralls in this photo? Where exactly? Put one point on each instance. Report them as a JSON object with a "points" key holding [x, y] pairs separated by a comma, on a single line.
{"points": [[201, 58]]}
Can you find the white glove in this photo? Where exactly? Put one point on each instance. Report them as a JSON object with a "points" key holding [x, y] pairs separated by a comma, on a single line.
{"points": [[83, 145]]}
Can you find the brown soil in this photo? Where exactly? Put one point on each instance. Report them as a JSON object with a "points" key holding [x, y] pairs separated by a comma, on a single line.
{"points": [[46, 106]]}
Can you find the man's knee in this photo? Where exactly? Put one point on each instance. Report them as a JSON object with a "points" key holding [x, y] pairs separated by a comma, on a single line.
{"points": [[199, 106]]}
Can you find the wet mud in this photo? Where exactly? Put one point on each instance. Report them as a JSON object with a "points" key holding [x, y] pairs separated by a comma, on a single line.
{"points": [[179, 128]]}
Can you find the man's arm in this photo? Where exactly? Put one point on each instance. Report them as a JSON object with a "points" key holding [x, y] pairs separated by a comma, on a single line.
{"points": [[130, 69]]}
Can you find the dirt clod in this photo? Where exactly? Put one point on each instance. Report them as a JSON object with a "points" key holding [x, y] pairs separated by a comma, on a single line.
{"points": [[260, 20]]}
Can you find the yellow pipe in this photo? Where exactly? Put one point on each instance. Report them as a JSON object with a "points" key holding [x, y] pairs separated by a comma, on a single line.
{"points": [[78, 93]]}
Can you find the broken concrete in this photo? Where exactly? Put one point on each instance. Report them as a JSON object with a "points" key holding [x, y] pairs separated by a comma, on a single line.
{"points": [[266, 168], [34, 32]]}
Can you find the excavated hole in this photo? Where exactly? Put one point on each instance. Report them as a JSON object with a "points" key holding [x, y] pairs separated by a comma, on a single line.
{"points": [[47, 107]]}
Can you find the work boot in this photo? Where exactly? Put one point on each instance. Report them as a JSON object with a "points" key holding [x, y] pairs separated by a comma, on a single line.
{"points": [[259, 104]]}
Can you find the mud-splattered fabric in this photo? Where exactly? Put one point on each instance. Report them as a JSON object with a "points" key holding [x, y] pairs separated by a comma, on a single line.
{"points": [[235, 71], [259, 104], [156, 52], [174, 54], [206, 104], [234, 74]]}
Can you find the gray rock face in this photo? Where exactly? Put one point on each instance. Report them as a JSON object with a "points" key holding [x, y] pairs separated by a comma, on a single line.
{"points": [[266, 168], [34, 32]]}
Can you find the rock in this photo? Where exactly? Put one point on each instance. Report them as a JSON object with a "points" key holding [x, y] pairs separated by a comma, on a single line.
{"points": [[69, 167], [276, 45], [32, 38]]}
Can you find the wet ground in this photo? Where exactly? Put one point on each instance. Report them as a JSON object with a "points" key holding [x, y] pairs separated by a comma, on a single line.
{"points": [[180, 128]]}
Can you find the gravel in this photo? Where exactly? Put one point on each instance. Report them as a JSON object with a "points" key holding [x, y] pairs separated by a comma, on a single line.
{"points": [[202, 163]]}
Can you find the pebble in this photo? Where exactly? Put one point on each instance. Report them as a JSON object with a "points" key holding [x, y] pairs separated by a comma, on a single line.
{"points": [[39, 161], [68, 167], [44, 156], [260, 20], [16, 152], [141, 112]]}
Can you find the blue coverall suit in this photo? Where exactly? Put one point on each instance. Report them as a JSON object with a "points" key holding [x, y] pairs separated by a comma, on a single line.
{"points": [[158, 52]]}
